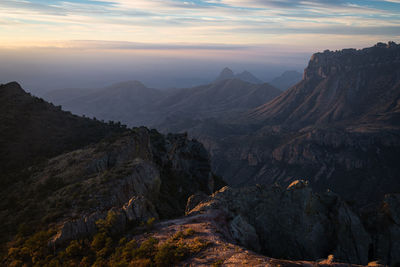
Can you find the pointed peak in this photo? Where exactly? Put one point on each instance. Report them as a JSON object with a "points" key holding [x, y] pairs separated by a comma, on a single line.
{"points": [[225, 74], [227, 70]]}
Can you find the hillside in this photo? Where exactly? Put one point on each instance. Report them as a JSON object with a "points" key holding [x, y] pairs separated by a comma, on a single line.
{"points": [[343, 87], [129, 102], [135, 197], [286, 80], [32, 130], [135, 104], [76, 171], [217, 100], [339, 128]]}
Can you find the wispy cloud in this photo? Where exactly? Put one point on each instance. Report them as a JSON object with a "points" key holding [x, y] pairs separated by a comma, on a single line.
{"points": [[196, 21]]}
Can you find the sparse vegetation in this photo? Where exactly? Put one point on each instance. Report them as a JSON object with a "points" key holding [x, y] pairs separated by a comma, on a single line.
{"points": [[218, 263], [105, 250]]}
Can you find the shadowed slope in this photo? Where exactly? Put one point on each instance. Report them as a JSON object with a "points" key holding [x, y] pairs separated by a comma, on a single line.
{"points": [[32, 130]]}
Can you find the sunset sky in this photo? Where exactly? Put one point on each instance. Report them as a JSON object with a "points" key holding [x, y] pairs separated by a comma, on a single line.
{"points": [[253, 31]]}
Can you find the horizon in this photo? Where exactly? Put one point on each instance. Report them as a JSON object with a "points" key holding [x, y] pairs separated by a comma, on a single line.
{"points": [[58, 44]]}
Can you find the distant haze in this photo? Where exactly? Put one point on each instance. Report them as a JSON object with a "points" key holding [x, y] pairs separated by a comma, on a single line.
{"points": [[57, 44], [44, 69]]}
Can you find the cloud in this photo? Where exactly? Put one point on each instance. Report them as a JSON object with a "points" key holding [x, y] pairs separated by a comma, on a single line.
{"points": [[118, 45], [194, 21]]}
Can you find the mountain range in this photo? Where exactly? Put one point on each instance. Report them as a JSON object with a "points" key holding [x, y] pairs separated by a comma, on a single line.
{"points": [[338, 128], [135, 104], [312, 172], [228, 74]]}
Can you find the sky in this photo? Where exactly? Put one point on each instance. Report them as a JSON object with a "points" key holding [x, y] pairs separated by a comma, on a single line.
{"points": [[88, 43]]}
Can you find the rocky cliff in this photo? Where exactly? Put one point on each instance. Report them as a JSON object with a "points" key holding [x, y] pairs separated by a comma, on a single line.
{"points": [[298, 224], [338, 128], [344, 87], [137, 176]]}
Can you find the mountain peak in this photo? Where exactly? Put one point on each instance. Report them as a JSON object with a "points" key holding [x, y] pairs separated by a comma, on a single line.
{"points": [[245, 76], [225, 74]]}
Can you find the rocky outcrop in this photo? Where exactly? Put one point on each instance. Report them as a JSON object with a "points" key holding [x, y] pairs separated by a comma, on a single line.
{"points": [[135, 176], [74, 229], [292, 223], [195, 200], [331, 62], [137, 210], [340, 88]]}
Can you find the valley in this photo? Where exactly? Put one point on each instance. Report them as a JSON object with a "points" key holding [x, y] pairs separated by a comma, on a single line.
{"points": [[232, 173]]}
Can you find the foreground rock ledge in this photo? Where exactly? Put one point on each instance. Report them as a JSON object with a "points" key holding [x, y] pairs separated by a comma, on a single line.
{"points": [[298, 224]]}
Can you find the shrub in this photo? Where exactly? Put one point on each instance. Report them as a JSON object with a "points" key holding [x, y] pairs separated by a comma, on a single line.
{"points": [[74, 249], [99, 241], [169, 254], [189, 232], [140, 263], [218, 263], [147, 249], [197, 245], [150, 223]]}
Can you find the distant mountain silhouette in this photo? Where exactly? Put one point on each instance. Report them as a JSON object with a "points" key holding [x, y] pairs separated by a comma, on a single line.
{"points": [[221, 97], [135, 104], [245, 76], [225, 74], [129, 102], [339, 128], [286, 80]]}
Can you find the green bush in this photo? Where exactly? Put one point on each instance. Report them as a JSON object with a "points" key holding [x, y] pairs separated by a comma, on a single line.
{"points": [[169, 254]]}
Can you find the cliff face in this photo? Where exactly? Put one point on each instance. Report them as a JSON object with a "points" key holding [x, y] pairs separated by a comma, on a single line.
{"points": [[338, 128], [345, 87], [298, 224]]}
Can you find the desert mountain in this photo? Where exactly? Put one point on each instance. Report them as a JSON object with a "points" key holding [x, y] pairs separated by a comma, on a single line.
{"points": [[119, 197], [245, 76], [71, 173], [218, 99], [343, 87], [135, 104], [338, 127], [128, 102], [286, 80]]}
